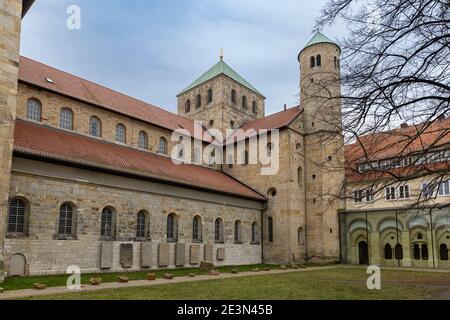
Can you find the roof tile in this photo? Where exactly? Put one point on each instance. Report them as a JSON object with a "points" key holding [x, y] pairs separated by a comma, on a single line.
{"points": [[50, 143]]}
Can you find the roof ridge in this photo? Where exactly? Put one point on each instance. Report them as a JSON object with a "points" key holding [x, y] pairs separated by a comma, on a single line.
{"points": [[26, 127], [105, 87], [220, 68], [275, 114]]}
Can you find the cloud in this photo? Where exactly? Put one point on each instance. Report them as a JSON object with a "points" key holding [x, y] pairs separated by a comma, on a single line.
{"points": [[154, 49]]}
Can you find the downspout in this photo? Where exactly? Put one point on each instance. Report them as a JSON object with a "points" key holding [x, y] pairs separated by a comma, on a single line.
{"points": [[262, 232]]}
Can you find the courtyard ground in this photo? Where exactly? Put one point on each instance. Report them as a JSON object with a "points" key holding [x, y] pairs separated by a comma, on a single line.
{"points": [[311, 283]]}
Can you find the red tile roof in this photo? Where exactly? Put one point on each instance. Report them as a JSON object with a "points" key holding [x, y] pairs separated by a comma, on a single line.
{"points": [[35, 73], [275, 121], [59, 145], [397, 143]]}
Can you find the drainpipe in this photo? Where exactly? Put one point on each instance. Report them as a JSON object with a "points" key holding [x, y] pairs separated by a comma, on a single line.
{"points": [[261, 238]]}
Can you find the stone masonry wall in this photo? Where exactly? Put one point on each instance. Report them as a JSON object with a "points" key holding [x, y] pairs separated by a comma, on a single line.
{"points": [[46, 255], [221, 110], [10, 24]]}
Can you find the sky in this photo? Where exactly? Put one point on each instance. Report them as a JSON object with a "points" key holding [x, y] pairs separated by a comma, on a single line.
{"points": [[152, 49]]}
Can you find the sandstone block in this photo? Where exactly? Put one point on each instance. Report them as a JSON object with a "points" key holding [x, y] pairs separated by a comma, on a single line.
{"points": [[151, 276]]}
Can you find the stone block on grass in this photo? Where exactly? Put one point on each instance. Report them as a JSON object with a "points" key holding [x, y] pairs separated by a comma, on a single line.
{"points": [[95, 281], [39, 286], [206, 266], [214, 273], [151, 276], [123, 279], [168, 276]]}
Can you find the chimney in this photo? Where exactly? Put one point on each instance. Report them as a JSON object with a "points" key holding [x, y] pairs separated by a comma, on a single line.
{"points": [[441, 117], [285, 107], [404, 125]]}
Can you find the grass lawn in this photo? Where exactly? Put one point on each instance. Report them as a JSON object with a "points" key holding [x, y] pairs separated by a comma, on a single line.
{"points": [[18, 283], [336, 283]]}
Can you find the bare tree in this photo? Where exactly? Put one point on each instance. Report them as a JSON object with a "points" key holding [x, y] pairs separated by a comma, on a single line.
{"points": [[395, 88]]}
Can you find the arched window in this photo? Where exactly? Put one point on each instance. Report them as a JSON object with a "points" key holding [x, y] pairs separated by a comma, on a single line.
{"points": [[108, 224], [301, 236], [388, 252], [232, 124], [398, 251], [197, 229], [318, 60], [66, 220], [210, 95], [424, 251], [187, 107], [254, 232], [312, 62], [269, 149], [233, 96], [142, 225], [198, 101], [238, 232], [443, 252], [246, 158], [244, 102], [17, 219], [66, 119], [143, 140], [218, 231], [211, 123], [272, 193], [270, 229], [34, 109], [95, 127], [197, 156], [416, 252], [180, 151], [163, 145], [300, 177], [121, 133], [335, 62], [255, 107], [172, 227]]}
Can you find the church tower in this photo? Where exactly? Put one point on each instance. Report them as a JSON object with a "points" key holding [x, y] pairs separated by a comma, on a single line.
{"points": [[221, 99], [320, 91]]}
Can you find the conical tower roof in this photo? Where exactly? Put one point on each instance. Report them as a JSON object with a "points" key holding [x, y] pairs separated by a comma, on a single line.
{"points": [[319, 38]]}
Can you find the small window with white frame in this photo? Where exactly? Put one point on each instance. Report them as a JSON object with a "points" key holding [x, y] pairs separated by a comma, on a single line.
{"points": [[390, 193], [427, 190], [369, 195], [358, 196], [403, 192], [444, 188]]}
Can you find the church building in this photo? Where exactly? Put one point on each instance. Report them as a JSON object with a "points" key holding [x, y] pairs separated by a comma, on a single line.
{"points": [[88, 177]]}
